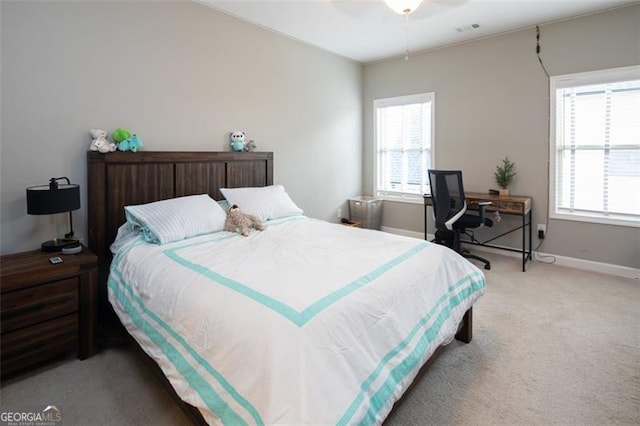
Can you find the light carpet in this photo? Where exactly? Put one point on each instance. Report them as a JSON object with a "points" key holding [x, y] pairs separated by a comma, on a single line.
{"points": [[551, 346]]}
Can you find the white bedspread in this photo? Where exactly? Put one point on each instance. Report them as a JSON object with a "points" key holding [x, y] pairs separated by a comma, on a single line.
{"points": [[306, 322]]}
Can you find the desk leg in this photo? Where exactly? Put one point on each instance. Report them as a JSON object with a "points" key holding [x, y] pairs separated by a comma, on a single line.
{"points": [[530, 237], [524, 242], [425, 223]]}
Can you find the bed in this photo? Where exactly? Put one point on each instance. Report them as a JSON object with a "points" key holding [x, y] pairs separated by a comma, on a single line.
{"points": [[306, 322]]}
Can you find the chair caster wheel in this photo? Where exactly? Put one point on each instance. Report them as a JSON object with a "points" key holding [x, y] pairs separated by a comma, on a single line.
{"points": [[487, 266]]}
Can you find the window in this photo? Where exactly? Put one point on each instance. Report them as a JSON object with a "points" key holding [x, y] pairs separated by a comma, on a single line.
{"points": [[403, 146], [595, 147]]}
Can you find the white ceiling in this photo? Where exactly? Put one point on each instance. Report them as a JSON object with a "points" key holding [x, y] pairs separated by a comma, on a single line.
{"points": [[368, 30]]}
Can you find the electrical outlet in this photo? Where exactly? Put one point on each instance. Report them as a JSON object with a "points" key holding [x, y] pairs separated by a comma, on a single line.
{"points": [[339, 213], [542, 230]]}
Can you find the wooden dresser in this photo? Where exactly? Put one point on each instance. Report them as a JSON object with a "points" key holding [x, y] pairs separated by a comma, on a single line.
{"points": [[47, 309]]}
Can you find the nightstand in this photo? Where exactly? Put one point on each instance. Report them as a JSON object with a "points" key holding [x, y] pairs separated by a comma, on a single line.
{"points": [[47, 309]]}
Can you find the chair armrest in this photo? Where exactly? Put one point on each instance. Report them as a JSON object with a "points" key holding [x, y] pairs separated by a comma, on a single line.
{"points": [[482, 205]]}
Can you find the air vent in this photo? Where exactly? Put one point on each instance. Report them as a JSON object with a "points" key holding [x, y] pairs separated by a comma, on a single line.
{"points": [[467, 28]]}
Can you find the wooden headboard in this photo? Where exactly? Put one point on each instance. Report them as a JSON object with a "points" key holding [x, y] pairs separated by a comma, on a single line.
{"points": [[122, 178]]}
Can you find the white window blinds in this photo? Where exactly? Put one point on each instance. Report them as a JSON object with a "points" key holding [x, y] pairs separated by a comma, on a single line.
{"points": [[404, 148], [596, 149]]}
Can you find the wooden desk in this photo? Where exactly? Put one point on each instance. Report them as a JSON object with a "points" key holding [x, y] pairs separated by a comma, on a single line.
{"points": [[516, 205]]}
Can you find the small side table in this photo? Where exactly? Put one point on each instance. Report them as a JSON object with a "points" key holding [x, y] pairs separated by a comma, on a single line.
{"points": [[47, 309]]}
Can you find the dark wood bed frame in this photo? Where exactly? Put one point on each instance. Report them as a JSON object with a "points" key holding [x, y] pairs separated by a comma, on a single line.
{"points": [[123, 178]]}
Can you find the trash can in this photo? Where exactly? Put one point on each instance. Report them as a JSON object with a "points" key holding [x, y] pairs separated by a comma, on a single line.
{"points": [[367, 210]]}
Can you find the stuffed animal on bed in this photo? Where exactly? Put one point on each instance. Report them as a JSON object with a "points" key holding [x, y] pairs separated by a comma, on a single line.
{"points": [[126, 140], [237, 141], [100, 142], [240, 222], [119, 135], [250, 146], [132, 143]]}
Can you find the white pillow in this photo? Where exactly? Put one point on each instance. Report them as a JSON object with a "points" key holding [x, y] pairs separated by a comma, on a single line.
{"points": [[125, 234], [267, 202], [175, 219]]}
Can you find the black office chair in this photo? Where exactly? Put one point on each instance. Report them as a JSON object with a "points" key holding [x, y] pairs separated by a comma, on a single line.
{"points": [[449, 207]]}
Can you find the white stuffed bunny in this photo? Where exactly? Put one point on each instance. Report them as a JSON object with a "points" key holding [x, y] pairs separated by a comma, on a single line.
{"points": [[100, 142]]}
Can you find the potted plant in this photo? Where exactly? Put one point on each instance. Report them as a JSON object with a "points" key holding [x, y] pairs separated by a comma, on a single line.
{"points": [[504, 175]]}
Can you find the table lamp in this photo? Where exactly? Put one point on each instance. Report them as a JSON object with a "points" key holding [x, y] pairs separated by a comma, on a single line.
{"points": [[51, 199]]}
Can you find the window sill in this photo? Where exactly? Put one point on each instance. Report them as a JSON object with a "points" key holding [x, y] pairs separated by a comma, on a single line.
{"points": [[399, 199], [596, 220]]}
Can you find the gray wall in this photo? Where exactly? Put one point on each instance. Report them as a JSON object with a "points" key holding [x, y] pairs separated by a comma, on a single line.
{"points": [[492, 101], [182, 76]]}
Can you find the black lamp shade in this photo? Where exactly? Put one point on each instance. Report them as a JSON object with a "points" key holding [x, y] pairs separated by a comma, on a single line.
{"points": [[56, 198], [45, 199]]}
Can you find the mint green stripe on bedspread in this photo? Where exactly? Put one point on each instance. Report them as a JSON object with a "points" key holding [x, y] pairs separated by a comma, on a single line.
{"points": [[298, 318], [474, 282], [211, 398]]}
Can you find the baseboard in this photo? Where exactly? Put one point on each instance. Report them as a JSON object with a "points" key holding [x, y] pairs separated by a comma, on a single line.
{"points": [[570, 262], [404, 232]]}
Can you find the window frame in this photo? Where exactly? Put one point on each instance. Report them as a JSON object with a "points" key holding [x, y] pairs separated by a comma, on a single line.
{"points": [[571, 80], [403, 197]]}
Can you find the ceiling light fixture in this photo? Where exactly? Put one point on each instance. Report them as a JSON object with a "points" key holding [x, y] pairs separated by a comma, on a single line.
{"points": [[404, 7]]}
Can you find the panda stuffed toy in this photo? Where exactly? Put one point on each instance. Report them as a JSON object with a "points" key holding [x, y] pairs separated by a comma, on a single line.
{"points": [[237, 141]]}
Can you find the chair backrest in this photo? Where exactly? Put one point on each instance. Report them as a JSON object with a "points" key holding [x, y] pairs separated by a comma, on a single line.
{"points": [[447, 195]]}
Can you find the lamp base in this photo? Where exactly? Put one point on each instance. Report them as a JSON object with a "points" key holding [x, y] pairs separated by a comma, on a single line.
{"points": [[58, 244]]}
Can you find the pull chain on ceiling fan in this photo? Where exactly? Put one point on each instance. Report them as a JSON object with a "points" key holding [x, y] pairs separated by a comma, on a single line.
{"points": [[404, 7]]}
